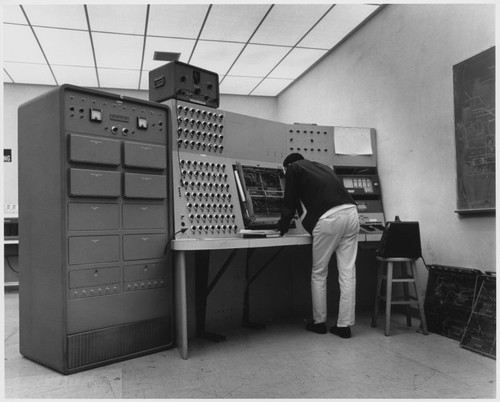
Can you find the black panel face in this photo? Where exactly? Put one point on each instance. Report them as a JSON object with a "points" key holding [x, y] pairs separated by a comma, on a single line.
{"points": [[112, 117]]}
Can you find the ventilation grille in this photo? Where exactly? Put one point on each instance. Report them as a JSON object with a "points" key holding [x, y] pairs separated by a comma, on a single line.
{"points": [[102, 346]]}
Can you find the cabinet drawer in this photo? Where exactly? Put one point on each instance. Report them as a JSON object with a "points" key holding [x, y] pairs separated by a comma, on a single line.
{"points": [[145, 155], [96, 150], [143, 216], [143, 272], [93, 277], [145, 186], [94, 183], [93, 216], [144, 246], [93, 249]]}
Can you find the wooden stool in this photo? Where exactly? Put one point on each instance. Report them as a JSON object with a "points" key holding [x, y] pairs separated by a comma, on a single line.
{"points": [[405, 278]]}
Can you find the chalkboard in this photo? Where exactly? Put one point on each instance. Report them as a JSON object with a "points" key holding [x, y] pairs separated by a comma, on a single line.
{"points": [[474, 100]]}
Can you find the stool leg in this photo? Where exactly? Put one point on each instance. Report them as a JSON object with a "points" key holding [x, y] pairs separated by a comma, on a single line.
{"points": [[406, 293], [423, 322], [380, 274], [388, 300]]}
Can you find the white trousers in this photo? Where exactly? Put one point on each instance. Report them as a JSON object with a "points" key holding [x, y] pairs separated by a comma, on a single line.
{"points": [[338, 233]]}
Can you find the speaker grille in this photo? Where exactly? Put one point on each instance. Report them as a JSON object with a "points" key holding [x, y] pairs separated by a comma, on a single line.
{"points": [[100, 346]]}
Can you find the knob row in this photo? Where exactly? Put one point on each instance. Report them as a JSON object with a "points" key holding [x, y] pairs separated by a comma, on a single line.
{"points": [[199, 123], [216, 186], [212, 218], [194, 195], [203, 165], [214, 228], [203, 134], [202, 175], [192, 145], [200, 113], [208, 207]]}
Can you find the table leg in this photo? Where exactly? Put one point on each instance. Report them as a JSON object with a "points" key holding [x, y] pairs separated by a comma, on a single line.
{"points": [[181, 303]]}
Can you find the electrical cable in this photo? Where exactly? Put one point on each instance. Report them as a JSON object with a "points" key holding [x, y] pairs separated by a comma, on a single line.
{"points": [[183, 230], [9, 264], [425, 264]]}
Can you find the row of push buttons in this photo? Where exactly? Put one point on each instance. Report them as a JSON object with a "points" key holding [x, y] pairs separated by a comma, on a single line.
{"points": [[150, 284], [95, 291]]}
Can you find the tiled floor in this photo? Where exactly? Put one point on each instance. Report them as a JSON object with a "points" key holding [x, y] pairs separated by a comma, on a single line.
{"points": [[282, 361]]}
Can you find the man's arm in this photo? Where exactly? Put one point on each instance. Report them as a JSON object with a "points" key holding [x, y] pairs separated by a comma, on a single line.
{"points": [[290, 201]]}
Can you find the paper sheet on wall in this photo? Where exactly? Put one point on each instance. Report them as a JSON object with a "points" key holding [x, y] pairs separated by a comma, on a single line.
{"points": [[352, 141]]}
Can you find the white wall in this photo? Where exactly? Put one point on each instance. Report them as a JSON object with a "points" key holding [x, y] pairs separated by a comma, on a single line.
{"points": [[395, 75]]}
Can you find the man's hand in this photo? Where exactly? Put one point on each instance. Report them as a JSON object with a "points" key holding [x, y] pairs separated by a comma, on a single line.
{"points": [[283, 226]]}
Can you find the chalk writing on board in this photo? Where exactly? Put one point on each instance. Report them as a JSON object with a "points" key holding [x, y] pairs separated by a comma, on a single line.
{"points": [[474, 98]]}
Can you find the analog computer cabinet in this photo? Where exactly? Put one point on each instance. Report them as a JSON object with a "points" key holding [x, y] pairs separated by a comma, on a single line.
{"points": [[95, 283]]}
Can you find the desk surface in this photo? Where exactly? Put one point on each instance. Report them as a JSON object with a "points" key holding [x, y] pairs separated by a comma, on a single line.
{"points": [[230, 243]]}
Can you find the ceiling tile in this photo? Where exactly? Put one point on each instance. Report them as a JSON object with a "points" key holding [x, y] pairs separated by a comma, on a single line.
{"points": [[341, 20], [29, 73], [113, 78], [215, 56], [66, 47], [287, 23], [296, 63], [271, 87], [155, 44], [258, 60], [129, 19], [177, 21], [81, 76], [24, 48], [60, 16], [118, 51], [238, 85], [234, 22], [14, 15]]}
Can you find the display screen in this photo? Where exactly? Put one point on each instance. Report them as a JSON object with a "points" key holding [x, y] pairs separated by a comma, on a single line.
{"points": [[264, 188]]}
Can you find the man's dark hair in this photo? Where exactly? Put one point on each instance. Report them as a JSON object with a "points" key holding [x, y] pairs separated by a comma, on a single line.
{"points": [[292, 158]]}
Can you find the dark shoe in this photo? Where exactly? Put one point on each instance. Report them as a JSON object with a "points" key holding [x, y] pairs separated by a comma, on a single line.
{"points": [[319, 328], [343, 332]]}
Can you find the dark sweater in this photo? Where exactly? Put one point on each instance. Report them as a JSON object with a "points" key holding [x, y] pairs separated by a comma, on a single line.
{"points": [[317, 186]]}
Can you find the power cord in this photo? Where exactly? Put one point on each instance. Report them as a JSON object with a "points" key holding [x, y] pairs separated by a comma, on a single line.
{"points": [[425, 264], [183, 230], [7, 258]]}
